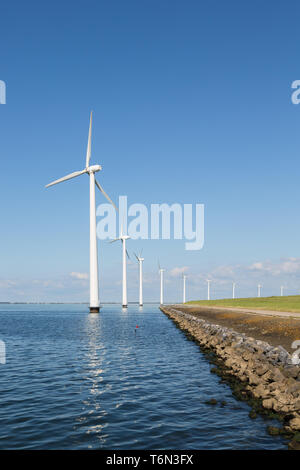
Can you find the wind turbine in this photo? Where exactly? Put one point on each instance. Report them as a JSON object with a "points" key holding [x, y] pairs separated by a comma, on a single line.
{"points": [[184, 283], [208, 288], [123, 239], [258, 290], [233, 290], [90, 170], [161, 272], [140, 261], [281, 290]]}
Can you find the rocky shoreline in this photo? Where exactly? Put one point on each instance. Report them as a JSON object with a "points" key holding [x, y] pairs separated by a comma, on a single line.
{"points": [[257, 372]]}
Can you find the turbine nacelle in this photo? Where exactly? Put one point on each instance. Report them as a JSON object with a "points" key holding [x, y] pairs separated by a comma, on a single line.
{"points": [[93, 169]]}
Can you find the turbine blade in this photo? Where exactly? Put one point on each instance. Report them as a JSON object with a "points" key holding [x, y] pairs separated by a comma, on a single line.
{"points": [[67, 177], [89, 145], [105, 195], [127, 254], [136, 256], [159, 268], [115, 240]]}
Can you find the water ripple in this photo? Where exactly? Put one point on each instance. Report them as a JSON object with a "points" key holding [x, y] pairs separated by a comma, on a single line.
{"points": [[79, 381]]}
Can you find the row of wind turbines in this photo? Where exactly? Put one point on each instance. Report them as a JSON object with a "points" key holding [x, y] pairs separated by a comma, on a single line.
{"points": [[91, 170], [234, 284], [140, 260]]}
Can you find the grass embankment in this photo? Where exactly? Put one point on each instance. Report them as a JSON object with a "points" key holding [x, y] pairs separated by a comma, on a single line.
{"points": [[281, 304]]}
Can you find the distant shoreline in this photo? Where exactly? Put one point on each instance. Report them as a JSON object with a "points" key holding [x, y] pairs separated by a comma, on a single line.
{"points": [[73, 303]]}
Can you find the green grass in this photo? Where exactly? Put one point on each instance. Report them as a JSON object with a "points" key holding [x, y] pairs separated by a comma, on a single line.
{"points": [[281, 304]]}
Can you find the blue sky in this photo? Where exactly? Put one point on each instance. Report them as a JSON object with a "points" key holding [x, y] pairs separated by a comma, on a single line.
{"points": [[192, 104]]}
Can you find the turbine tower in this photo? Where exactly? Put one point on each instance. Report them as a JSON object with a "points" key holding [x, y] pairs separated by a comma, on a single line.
{"points": [[161, 272], [90, 170], [233, 290], [184, 287], [123, 239], [208, 288], [281, 290], [259, 290], [140, 261]]}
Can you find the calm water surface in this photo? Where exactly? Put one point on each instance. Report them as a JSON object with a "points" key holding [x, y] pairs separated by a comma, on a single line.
{"points": [[74, 380]]}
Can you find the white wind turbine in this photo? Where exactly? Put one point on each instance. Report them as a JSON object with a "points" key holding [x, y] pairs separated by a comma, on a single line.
{"points": [[90, 170], [208, 288], [259, 290], [123, 239], [140, 261], [161, 272], [233, 290], [184, 287], [281, 290]]}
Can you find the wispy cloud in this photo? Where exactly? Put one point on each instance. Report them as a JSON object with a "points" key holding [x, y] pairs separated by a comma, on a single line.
{"points": [[62, 288], [270, 273], [74, 286], [175, 272], [79, 276], [284, 266], [7, 283]]}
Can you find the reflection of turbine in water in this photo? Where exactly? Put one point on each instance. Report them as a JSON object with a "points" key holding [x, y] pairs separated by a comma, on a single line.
{"points": [[96, 352], [94, 413]]}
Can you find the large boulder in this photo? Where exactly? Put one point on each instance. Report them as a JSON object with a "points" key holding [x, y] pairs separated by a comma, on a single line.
{"points": [[254, 379], [261, 369], [294, 423], [268, 403], [261, 391]]}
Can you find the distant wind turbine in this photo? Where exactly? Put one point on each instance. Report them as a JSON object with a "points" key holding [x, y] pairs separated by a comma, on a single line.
{"points": [[123, 239], [161, 272], [184, 286], [208, 288], [90, 170], [140, 261], [281, 290], [233, 290], [259, 290]]}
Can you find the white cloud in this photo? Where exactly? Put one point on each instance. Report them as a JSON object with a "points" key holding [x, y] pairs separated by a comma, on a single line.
{"points": [[175, 272], [256, 266], [224, 272], [7, 283], [284, 266], [80, 276], [74, 285]]}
